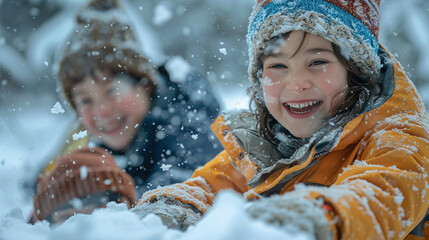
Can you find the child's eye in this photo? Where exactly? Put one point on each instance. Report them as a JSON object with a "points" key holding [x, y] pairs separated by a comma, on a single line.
{"points": [[114, 91], [83, 102], [277, 66], [119, 88], [318, 62]]}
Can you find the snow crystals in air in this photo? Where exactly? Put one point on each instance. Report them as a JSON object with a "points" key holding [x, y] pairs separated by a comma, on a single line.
{"points": [[80, 135], [166, 167], [162, 14], [178, 69], [57, 108], [83, 170], [76, 203], [186, 31], [223, 51]]}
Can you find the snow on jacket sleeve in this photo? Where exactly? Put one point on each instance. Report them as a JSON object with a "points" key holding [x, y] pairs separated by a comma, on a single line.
{"points": [[201, 189], [384, 193]]}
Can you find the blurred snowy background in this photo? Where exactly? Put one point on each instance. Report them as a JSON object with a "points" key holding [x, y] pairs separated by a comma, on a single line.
{"points": [[209, 34]]}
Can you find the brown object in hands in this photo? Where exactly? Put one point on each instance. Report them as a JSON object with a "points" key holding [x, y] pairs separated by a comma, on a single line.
{"points": [[78, 174]]}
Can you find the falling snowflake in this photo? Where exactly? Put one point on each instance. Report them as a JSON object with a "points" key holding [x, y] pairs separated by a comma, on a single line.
{"points": [[223, 51], [166, 167], [178, 69], [162, 14], [79, 135], [83, 172], [57, 108]]}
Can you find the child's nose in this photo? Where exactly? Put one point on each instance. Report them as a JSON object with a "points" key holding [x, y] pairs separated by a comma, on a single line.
{"points": [[103, 110], [298, 82]]}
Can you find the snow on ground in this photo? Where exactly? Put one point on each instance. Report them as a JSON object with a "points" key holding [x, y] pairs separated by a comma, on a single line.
{"points": [[29, 134], [226, 220]]}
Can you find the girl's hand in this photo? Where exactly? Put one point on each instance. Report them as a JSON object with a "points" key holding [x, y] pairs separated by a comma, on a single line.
{"points": [[294, 214]]}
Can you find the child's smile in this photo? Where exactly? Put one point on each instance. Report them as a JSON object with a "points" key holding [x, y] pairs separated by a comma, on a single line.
{"points": [[303, 83], [111, 126], [302, 109]]}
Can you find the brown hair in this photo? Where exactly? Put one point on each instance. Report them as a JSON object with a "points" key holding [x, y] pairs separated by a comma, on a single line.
{"points": [[356, 82]]}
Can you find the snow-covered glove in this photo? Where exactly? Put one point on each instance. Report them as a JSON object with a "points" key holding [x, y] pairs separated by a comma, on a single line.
{"points": [[172, 212], [293, 214]]}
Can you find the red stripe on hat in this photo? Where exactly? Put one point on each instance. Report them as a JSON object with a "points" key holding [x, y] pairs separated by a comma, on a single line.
{"points": [[263, 2], [367, 11]]}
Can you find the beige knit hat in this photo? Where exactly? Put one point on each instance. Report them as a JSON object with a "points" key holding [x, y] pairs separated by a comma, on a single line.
{"points": [[78, 174], [103, 39]]}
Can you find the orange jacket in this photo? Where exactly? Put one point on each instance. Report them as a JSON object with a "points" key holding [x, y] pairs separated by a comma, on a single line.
{"points": [[376, 176]]}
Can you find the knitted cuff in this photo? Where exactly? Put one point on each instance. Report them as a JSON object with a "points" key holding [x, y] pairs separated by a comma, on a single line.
{"points": [[294, 215], [172, 212]]}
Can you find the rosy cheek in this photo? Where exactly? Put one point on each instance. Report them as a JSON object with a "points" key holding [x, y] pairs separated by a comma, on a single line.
{"points": [[269, 97], [338, 98], [87, 119], [333, 82], [128, 104]]}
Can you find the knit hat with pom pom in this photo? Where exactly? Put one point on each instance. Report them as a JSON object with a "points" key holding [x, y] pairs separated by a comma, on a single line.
{"points": [[351, 24], [103, 39], [79, 174]]}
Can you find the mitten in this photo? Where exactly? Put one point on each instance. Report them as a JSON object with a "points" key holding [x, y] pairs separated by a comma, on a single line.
{"points": [[172, 212], [79, 174], [293, 214]]}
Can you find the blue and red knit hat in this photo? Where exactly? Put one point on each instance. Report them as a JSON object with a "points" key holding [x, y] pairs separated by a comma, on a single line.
{"points": [[351, 24]]}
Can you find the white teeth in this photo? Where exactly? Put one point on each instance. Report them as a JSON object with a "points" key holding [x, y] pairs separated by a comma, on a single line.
{"points": [[302, 105]]}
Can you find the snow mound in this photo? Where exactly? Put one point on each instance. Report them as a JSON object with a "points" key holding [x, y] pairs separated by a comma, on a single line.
{"points": [[226, 220]]}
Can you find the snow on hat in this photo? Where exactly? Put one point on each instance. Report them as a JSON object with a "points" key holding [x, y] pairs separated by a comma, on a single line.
{"points": [[78, 174], [103, 39], [351, 24]]}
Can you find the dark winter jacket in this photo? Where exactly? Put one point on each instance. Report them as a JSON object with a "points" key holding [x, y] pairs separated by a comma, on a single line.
{"points": [[174, 137], [373, 172]]}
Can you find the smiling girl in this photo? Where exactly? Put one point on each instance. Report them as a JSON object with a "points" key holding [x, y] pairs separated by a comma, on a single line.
{"points": [[309, 82], [336, 142]]}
